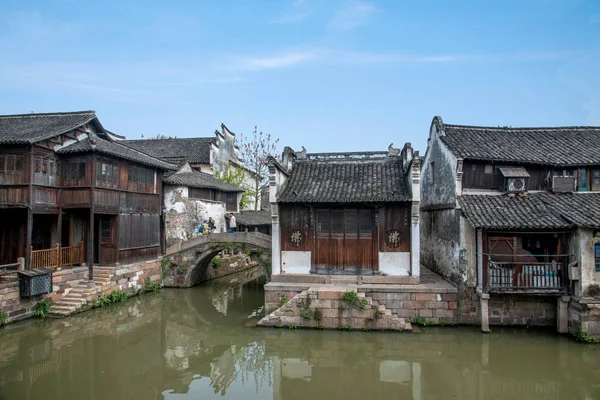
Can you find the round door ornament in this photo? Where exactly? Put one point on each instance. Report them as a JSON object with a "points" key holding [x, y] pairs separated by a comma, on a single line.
{"points": [[297, 237], [393, 238]]}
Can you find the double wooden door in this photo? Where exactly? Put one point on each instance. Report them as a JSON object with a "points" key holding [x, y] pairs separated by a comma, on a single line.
{"points": [[346, 240]]}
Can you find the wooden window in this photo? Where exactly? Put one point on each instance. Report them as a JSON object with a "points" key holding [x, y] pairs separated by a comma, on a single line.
{"points": [[596, 179], [201, 194], [351, 223], [105, 233], [597, 256], [231, 201], [107, 175], [583, 181], [365, 222], [11, 169], [323, 222], [337, 222], [73, 170]]}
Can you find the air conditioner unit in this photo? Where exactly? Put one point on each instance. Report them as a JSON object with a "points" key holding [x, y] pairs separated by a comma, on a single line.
{"points": [[515, 185], [561, 184]]}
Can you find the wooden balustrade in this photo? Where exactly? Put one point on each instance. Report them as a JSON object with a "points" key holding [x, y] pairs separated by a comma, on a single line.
{"points": [[525, 276], [57, 257]]}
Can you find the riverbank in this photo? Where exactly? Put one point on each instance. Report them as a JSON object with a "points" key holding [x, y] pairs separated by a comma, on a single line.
{"points": [[73, 291], [189, 344]]}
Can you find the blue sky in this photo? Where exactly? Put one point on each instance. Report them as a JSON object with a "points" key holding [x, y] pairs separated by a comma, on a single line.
{"points": [[332, 75]]}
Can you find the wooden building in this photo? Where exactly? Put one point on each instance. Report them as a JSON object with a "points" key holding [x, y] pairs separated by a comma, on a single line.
{"points": [[71, 193], [346, 213], [514, 211]]}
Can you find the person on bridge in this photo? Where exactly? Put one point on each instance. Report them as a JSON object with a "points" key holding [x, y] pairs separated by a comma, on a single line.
{"points": [[211, 225], [232, 224]]}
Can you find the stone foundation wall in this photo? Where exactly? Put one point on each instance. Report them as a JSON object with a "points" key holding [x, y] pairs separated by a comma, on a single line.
{"points": [[522, 310], [65, 279], [508, 309], [133, 277], [584, 314], [433, 306], [12, 304]]}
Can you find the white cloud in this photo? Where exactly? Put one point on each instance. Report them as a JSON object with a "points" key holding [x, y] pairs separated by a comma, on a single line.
{"points": [[284, 60], [351, 15], [298, 12]]}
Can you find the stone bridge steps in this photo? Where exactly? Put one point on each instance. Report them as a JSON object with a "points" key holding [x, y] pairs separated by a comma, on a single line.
{"points": [[336, 313]]}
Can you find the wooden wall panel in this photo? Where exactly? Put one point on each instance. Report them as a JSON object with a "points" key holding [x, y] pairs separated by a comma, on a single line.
{"points": [[45, 195], [14, 195], [295, 217], [106, 200], [138, 231], [75, 198], [394, 217]]}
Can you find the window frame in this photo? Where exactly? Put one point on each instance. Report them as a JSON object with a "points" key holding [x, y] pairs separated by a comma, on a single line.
{"points": [[583, 172], [597, 257]]}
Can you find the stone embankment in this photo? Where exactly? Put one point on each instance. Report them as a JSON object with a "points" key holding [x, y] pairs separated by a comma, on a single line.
{"points": [[325, 307]]}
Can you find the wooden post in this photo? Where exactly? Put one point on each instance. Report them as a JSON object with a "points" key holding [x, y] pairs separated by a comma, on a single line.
{"points": [[58, 261], [28, 244], [21, 261]]}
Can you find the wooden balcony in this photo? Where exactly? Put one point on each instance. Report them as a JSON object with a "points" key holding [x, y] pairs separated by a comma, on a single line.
{"points": [[57, 257], [525, 277]]}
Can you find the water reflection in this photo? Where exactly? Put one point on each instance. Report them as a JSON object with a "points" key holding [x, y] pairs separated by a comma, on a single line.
{"points": [[185, 344]]}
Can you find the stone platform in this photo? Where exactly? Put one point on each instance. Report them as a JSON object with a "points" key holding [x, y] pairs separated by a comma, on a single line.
{"points": [[432, 299]]}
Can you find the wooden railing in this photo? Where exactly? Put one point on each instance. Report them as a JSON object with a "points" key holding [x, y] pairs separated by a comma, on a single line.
{"points": [[525, 276], [57, 257], [7, 269]]}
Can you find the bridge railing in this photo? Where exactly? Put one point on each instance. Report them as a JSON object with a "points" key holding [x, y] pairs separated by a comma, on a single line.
{"points": [[224, 237]]}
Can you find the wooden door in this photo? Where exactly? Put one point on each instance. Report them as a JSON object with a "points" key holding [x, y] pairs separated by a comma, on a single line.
{"points": [[107, 235], [346, 239]]}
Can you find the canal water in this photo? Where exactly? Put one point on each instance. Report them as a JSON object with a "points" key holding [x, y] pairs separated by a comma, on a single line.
{"points": [[199, 344]]}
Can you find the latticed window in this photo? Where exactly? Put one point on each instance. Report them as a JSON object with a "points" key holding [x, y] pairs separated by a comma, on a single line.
{"points": [[73, 170], [597, 256], [107, 174]]}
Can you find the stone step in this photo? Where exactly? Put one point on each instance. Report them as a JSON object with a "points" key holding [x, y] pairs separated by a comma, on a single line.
{"points": [[70, 300], [56, 307]]}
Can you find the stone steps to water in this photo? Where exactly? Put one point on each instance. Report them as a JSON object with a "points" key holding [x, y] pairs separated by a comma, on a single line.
{"points": [[335, 311]]}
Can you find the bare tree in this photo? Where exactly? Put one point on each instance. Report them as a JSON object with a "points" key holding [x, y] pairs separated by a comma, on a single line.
{"points": [[254, 152]]}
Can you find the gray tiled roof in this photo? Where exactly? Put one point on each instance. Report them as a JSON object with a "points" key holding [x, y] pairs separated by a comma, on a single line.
{"points": [[192, 150], [114, 149], [560, 146], [582, 209], [31, 128], [253, 217], [535, 211], [199, 180], [346, 181]]}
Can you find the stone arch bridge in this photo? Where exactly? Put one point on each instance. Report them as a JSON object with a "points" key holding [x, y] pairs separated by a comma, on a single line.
{"points": [[188, 263]]}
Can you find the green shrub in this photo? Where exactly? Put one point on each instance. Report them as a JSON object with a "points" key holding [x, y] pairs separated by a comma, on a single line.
{"points": [[346, 327], [3, 317], [306, 313], [292, 326], [318, 315], [282, 302], [118, 296], [216, 262], [319, 326], [352, 298], [584, 337], [422, 321], [42, 308], [152, 286]]}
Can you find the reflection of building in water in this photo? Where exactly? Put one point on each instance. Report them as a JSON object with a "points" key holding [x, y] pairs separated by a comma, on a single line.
{"points": [[220, 301], [223, 371], [331, 377]]}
